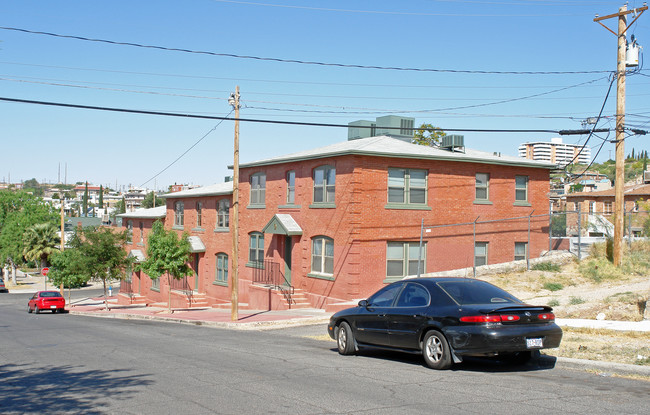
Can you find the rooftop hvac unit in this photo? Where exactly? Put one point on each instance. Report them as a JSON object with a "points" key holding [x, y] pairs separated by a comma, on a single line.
{"points": [[451, 142]]}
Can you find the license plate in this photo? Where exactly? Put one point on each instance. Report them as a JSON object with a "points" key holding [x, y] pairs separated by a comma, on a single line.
{"points": [[52, 306], [534, 343]]}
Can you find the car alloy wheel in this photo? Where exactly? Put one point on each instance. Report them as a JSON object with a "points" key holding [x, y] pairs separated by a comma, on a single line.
{"points": [[29, 309], [36, 310], [345, 339], [436, 351]]}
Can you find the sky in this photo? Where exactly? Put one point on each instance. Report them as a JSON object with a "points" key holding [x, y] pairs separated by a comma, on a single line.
{"points": [[465, 65]]}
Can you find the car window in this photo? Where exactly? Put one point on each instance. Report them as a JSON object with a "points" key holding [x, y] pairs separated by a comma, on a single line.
{"points": [[50, 294], [476, 292], [385, 296], [413, 295]]}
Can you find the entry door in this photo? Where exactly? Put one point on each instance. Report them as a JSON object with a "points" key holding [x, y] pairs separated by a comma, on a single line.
{"points": [[287, 259]]}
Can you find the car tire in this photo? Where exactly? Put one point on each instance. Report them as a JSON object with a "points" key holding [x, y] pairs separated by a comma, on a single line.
{"points": [[36, 310], [436, 351], [29, 309], [345, 339]]}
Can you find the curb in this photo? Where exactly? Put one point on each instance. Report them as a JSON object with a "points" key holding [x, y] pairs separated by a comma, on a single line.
{"points": [[603, 368], [253, 325]]}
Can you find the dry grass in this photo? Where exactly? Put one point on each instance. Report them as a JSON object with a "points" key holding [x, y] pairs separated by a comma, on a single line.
{"points": [[604, 345]]}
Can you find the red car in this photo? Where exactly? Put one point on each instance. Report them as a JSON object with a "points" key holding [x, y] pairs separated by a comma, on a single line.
{"points": [[46, 300]]}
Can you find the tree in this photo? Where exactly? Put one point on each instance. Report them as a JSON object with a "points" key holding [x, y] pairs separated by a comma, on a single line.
{"points": [[428, 135], [85, 200], [149, 201], [68, 269], [101, 196], [40, 241], [18, 211], [102, 254], [121, 205], [167, 254]]}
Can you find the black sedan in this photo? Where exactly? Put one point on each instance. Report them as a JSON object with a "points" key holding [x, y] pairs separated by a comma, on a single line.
{"points": [[446, 319]]}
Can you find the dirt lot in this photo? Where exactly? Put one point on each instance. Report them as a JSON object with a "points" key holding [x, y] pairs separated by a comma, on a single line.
{"points": [[574, 296]]}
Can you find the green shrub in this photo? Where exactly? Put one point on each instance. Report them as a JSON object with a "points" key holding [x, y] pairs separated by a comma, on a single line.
{"points": [[553, 286], [554, 302], [546, 266], [599, 269], [576, 300]]}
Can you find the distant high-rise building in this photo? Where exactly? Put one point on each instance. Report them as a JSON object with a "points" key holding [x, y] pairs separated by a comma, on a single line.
{"points": [[389, 125], [556, 152]]}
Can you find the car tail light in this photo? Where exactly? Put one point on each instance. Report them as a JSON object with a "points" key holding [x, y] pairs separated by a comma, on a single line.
{"points": [[546, 316], [481, 319], [509, 317]]}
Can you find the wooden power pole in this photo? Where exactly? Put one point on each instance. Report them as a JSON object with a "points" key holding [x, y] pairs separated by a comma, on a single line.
{"points": [[619, 183], [234, 280]]}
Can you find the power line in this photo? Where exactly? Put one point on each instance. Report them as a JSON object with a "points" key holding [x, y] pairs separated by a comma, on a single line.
{"points": [[287, 81], [211, 117], [188, 150], [296, 61]]}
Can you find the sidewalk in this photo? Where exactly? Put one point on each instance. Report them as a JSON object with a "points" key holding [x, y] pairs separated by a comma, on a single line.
{"points": [[213, 317]]}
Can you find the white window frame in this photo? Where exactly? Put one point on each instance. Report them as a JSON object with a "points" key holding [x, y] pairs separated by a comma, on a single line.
{"points": [[321, 261]]}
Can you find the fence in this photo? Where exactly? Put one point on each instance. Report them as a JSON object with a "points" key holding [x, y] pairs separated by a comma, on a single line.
{"points": [[566, 230]]}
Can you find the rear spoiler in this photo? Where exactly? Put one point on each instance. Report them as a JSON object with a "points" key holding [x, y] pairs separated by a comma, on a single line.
{"points": [[524, 307]]}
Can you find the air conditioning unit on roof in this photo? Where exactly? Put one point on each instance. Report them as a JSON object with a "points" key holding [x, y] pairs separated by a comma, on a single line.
{"points": [[453, 141]]}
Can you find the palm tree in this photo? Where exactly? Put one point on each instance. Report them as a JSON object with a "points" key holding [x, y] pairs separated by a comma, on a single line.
{"points": [[40, 240]]}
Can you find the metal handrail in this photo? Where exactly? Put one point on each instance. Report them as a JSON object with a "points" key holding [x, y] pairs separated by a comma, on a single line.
{"points": [[268, 272]]}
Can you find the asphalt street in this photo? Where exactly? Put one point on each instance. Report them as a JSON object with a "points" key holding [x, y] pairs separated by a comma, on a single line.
{"points": [[64, 363]]}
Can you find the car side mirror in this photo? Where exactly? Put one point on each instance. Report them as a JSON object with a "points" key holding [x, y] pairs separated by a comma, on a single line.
{"points": [[364, 303]]}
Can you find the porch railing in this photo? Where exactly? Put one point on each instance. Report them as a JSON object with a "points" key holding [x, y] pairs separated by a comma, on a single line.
{"points": [[268, 273], [126, 287], [181, 285]]}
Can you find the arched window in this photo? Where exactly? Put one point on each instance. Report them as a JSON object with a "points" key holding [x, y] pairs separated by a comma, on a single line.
{"points": [[322, 255], [324, 184], [223, 218], [199, 214], [256, 250], [258, 188], [179, 213], [221, 269]]}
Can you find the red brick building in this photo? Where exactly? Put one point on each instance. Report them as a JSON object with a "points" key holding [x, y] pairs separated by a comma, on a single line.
{"points": [[334, 224]]}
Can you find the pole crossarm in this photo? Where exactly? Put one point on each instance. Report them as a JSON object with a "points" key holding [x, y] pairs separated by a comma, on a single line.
{"points": [[638, 10]]}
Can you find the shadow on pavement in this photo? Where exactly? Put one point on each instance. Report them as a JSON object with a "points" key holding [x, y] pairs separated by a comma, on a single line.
{"points": [[64, 389]]}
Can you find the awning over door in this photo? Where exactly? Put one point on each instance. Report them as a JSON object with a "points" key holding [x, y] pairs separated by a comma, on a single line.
{"points": [[197, 244], [283, 224], [138, 255]]}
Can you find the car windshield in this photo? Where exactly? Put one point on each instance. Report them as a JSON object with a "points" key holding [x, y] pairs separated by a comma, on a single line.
{"points": [[467, 292], [50, 294]]}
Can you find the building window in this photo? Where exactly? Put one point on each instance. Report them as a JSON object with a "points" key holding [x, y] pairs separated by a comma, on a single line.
{"points": [[521, 188], [480, 253], [141, 232], [199, 214], [607, 208], [521, 249], [402, 259], [155, 284], [221, 272], [407, 186], [324, 183], [256, 250], [482, 186], [223, 214], [291, 187], [179, 213], [129, 231], [322, 255], [258, 188]]}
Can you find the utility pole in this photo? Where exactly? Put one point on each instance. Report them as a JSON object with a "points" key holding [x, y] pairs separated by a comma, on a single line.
{"points": [[234, 280], [619, 184], [62, 199]]}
